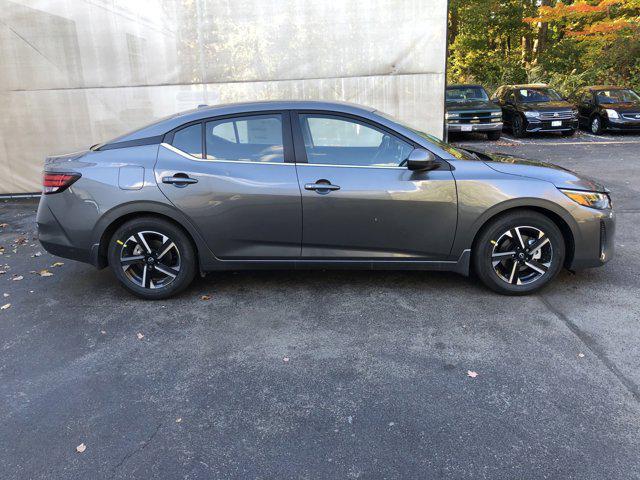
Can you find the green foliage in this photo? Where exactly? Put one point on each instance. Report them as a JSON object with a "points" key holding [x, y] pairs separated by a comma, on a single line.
{"points": [[567, 44]]}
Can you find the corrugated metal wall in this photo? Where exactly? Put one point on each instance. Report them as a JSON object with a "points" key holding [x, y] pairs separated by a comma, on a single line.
{"points": [[77, 72]]}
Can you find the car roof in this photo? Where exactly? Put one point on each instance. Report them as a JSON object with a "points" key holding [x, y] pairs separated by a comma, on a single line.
{"points": [[595, 88], [166, 124], [465, 85], [528, 85]]}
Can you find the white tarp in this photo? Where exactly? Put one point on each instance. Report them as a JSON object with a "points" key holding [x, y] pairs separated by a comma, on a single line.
{"points": [[74, 73]]}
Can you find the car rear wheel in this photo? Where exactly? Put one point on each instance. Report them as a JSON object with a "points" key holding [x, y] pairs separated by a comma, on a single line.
{"points": [[596, 125], [493, 136], [518, 127], [519, 253], [152, 258]]}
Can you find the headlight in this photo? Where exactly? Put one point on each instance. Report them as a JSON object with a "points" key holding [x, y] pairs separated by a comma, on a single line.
{"points": [[496, 114], [452, 115], [601, 201], [612, 113], [532, 114]]}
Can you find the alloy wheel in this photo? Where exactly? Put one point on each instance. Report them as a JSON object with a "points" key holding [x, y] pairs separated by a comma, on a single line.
{"points": [[595, 125], [521, 255], [150, 259]]}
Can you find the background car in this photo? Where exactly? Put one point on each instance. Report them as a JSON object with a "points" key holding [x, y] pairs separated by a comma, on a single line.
{"points": [[534, 109], [468, 109], [314, 185], [608, 108]]}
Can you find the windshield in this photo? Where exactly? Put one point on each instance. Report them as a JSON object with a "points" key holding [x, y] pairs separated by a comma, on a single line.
{"points": [[536, 95], [617, 96], [451, 150], [466, 94]]}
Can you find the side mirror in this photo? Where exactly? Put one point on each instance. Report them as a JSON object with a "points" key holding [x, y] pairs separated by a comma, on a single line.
{"points": [[422, 160]]}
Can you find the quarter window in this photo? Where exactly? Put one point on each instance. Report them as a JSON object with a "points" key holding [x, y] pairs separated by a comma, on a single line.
{"points": [[256, 138], [335, 140], [189, 140]]}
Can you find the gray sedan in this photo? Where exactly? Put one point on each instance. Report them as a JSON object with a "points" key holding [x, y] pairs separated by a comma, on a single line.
{"points": [[315, 185]]}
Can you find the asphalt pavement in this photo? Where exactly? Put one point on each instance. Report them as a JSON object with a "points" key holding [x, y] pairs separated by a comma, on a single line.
{"points": [[327, 374]]}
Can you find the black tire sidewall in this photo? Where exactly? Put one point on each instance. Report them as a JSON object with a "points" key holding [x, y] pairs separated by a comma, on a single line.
{"points": [[518, 132], [601, 126], [182, 242], [483, 248], [493, 136]]}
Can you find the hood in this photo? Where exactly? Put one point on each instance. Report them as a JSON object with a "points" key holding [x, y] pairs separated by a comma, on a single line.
{"points": [[547, 106], [559, 176], [472, 105], [622, 107]]}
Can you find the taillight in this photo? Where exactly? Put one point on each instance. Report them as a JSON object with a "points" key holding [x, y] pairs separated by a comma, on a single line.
{"points": [[54, 182]]}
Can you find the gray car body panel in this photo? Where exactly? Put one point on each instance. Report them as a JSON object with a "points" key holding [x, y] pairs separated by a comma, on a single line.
{"points": [[248, 215]]}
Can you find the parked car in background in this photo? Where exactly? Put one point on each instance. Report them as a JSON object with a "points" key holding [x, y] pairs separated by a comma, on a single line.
{"points": [[607, 108], [293, 184], [469, 109], [535, 109]]}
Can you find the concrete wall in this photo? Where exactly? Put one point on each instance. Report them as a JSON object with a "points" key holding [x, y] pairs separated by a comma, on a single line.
{"points": [[78, 72]]}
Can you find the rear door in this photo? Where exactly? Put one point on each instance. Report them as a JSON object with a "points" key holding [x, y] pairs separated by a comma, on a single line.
{"points": [[235, 179], [359, 203]]}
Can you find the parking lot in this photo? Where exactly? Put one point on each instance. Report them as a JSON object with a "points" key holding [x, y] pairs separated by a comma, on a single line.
{"points": [[327, 374]]}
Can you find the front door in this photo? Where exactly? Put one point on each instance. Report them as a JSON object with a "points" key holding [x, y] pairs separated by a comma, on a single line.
{"points": [[358, 203], [231, 179]]}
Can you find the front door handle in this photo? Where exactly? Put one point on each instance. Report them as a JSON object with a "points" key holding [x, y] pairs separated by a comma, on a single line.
{"points": [[179, 180], [321, 186]]}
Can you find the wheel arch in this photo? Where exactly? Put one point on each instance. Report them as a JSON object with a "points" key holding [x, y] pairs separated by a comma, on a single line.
{"points": [[559, 220], [116, 217]]}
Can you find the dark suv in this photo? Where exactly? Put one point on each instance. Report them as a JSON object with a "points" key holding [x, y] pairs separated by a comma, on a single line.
{"points": [[602, 108], [470, 110], [534, 109]]}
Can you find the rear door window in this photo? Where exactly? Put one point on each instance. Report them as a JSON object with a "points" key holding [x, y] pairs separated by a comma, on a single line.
{"points": [[255, 138], [189, 140]]}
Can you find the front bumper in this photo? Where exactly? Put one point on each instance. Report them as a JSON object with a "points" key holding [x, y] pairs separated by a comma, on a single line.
{"points": [[474, 127], [623, 125], [595, 240], [539, 126]]}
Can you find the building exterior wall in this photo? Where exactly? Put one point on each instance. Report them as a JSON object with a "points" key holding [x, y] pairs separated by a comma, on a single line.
{"points": [[77, 72]]}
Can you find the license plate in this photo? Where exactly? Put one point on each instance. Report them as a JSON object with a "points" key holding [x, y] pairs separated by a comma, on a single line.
{"points": [[467, 128], [556, 123]]}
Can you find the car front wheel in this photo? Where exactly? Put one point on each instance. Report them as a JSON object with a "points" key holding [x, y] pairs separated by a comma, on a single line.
{"points": [[518, 127], [596, 125], [493, 136], [519, 253], [152, 258]]}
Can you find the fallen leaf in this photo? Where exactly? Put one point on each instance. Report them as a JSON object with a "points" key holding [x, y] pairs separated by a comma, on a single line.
{"points": [[581, 355], [45, 273], [205, 297], [5, 306], [103, 332], [81, 448], [4, 225], [57, 264], [20, 240], [2, 272], [472, 374], [285, 359], [5, 295], [178, 420], [37, 254], [140, 336], [16, 278]]}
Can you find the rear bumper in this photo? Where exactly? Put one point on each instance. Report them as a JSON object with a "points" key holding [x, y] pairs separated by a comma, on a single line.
{"points": [[475, 127], [54, 238], [596, 243]]}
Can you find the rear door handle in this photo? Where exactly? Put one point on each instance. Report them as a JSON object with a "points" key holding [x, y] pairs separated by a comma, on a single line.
{"points": [[179, 180], [321, 186]]}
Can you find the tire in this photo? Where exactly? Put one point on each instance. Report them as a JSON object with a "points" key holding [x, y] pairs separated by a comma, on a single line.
{"points": [[493, 136], [596, 126], [569, 133], [163, 269], [518, 127], [511, 274]]}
